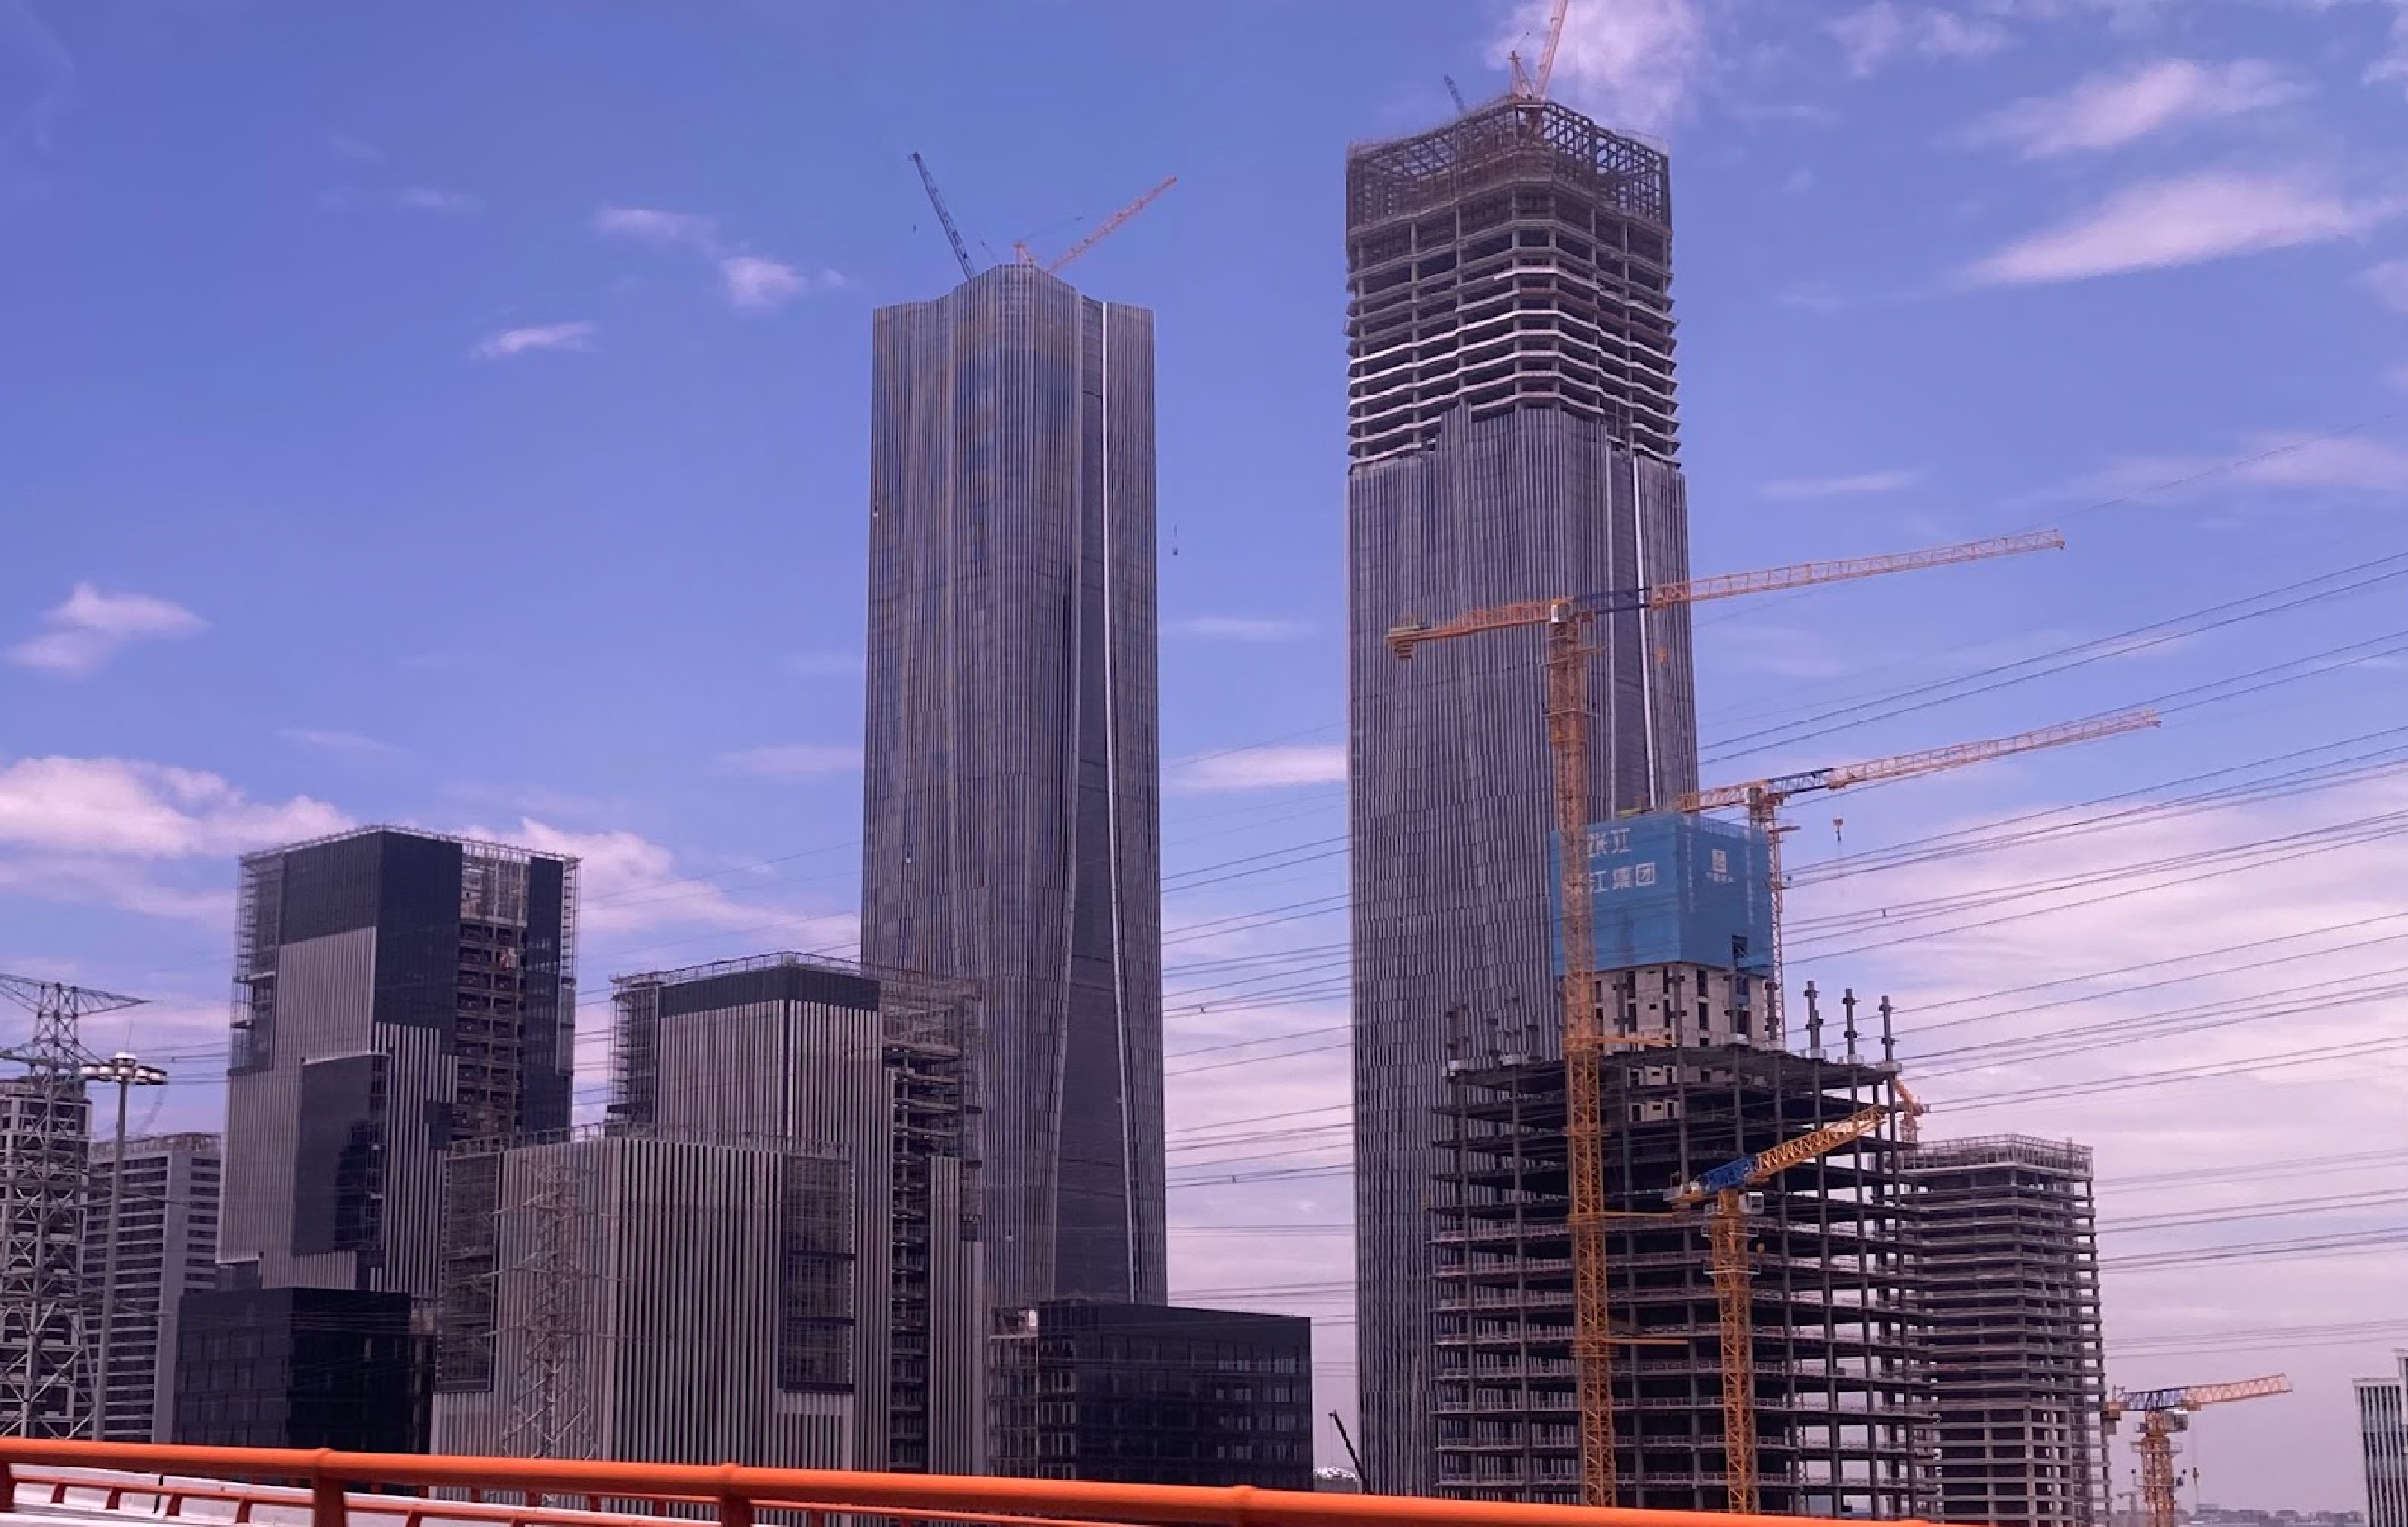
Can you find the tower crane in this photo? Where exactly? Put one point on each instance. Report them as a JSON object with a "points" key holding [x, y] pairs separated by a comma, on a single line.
{"points": [[1734, 1285], [945, 218], [1911, 1111], [2165, 1411], [1764, 798], [1102, 231], [1532, 86], [1566, 621]]}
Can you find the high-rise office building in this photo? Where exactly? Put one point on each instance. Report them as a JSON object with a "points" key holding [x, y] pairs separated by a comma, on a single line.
{"points": [[2008, 1273], [1511, 436], [166, 1247], [643, 1298], [2383, 1445], [1011, 812], [395, 990], [335, 1368]]}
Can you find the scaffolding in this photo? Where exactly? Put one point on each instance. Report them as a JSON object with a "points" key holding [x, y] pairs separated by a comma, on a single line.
{"points": [[1841, 1405], [1519, 256], [2010, 1258]]}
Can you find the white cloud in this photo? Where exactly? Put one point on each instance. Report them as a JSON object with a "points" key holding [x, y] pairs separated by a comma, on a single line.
{"points": [[758, 284], [1263, 769], [344, 145], [2388, 281], [2181, 220], [1874, 36], [335, 742], [1862, 482], [795, 761], [435, 199], [578, 335], [1634, 64], [661, 227], [752, 283], [2392, 67], [628, 884], [133, 810], [2110, 110], [2267, 459], [1241, 628], [91, 627]]}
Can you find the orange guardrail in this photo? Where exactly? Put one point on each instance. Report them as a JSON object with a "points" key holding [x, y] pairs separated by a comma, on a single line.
{"points": [[325, 1480]]}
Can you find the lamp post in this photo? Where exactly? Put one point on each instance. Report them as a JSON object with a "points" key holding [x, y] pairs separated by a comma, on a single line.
{"points": [[128, 1073]]}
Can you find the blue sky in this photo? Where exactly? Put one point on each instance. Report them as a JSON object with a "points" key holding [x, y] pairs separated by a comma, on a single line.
{"points": [[456, 414]]}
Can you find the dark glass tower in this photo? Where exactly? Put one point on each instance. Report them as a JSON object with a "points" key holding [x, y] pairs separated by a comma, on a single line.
{"points": [[1011, 811], [1511, 436]]}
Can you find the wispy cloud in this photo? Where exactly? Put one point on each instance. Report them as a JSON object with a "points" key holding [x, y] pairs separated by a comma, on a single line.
{"points": [[752, 283], [1263, 769], [2110, 110], [1635, 64], [2388, 281], [1874, 35], [1241, 628], [795, 761], [350, 743], [509, 342], [628, 884], [358, 150], [434, 200], [2181, 220], [1861, 483], [2267, 460], [133, 809], [82, 635], [825, 664]]}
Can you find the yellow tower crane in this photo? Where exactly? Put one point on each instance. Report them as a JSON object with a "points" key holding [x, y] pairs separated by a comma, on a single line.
{"points": [[1764, 798], [1734, 1284], [2165, 1411], [1102, 231], [1566, 621]]}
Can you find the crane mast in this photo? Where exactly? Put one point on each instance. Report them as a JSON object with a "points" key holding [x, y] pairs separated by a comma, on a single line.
{"points": [[1565, 621]]}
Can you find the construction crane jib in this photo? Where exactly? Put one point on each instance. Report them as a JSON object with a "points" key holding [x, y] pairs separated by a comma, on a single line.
{"points": [[1102, 231], [1565, 621], [2164, 1412], [944, 216], [1726, 1236]]}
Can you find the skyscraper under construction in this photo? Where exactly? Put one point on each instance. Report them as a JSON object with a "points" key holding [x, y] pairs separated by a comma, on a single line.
{"points": [[1511, 436], [1012, 813]]}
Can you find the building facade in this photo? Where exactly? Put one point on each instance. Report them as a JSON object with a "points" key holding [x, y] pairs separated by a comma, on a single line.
{"points": [[1154, 1394], [167, 1247], [1511, 436], [395, 990], [45, 1148], [2010, 1281], [2383, 1443], [1011, 811], [640, 1298], [299, 1368]]}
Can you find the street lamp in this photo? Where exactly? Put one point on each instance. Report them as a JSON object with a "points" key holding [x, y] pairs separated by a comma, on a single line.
{"points": [[128, 1073]]}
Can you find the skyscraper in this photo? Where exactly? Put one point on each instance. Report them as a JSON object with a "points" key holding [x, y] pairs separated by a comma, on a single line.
{"points": [[1011, 811], [1512, 434], [2010, 1277], [395, 990], [2383, 1445], [167, 1247]]}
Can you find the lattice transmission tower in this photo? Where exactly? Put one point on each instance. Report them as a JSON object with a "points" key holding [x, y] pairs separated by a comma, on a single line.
{"points": [[45, 1161], [546, 1308]]}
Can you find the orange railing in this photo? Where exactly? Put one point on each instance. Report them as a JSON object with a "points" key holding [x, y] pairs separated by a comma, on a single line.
{"points": [[557, 1494]]}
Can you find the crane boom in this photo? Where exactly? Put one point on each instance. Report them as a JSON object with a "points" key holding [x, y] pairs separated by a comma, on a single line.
{"points": [[1455, 92], [1747, 1171], [937, 200], [1534, 612], [1111, 224], [1547, 55], [1928, 760]]}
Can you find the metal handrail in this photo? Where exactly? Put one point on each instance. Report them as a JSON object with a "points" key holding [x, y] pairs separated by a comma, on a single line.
{"points": [[739, 1492]]}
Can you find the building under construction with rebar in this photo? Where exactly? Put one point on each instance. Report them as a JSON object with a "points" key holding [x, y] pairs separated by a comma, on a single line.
{"points": [[1842, 1411], [2010, 1285]]}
